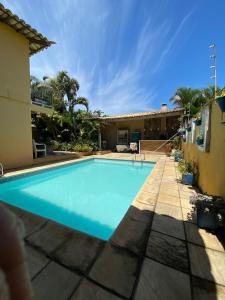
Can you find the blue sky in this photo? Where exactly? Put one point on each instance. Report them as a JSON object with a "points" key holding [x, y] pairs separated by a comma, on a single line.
{"points": [[128, 55]]}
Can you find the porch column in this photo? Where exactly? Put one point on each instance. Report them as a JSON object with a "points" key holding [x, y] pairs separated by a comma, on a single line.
{"points": [[99, 139], [163, 125]]}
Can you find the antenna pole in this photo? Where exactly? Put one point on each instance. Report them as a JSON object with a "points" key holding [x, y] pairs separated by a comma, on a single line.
{"points": [[212, 57]]}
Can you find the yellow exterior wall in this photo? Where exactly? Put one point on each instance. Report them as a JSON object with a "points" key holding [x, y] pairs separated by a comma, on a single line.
{"points": [[211, 164], [15, 106]]}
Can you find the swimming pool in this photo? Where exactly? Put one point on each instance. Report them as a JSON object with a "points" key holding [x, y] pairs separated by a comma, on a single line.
{"points": [[91, 196]]}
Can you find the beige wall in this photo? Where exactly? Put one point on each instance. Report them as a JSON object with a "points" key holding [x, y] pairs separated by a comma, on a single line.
{"points": [[109, 132], [15, 111], [211, 164]]}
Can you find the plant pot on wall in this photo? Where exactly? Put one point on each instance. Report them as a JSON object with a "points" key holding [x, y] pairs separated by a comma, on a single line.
{"points": [[198, 122], [188, 178], [188, 129], [221, 102], [199, 141], [206, 219]]}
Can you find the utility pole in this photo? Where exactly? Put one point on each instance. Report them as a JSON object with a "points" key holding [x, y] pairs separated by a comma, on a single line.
{"points": [[212, 57]]}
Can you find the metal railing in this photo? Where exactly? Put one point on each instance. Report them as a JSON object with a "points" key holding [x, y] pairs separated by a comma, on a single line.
{"points": [[163, 144], [1, 170]]}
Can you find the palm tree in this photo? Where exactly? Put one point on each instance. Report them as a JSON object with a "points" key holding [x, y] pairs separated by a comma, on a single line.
{"points": [[188, 98]]}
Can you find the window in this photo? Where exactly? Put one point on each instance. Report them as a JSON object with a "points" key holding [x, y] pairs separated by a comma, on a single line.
{"points": [[122, 136]]}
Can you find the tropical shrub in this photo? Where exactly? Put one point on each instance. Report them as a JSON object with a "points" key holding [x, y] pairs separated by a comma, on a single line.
{"points": [[82, 148], [186, 167]]}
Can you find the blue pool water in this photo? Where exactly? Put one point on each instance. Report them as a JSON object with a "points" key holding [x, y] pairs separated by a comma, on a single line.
{"points": [[91, 196]]}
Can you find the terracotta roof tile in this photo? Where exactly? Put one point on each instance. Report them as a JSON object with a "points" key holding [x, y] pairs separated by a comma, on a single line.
{"points": [[36, 40]]}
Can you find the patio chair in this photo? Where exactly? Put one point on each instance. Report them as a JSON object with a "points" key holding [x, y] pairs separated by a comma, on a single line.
{"points": [[133, 147], [38, 148]]}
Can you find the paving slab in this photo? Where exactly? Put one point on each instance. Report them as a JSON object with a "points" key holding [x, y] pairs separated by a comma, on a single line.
{"points": [[168, 225], [36, 261], [49, 237], [202, 237], [164, 190], [207, 263], [185, 202], [172, 200], [89, 290], [169, 210], [168, 250], [205, 290], [55, 282], [31, 222], [116, 269], [147, 198], [162, 282], [140, 215], [79, 251], [189, 215], [131, 234]]}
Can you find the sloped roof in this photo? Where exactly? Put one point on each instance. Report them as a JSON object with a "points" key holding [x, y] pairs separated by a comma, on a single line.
{"points": [[36, 40], [144, 115]]}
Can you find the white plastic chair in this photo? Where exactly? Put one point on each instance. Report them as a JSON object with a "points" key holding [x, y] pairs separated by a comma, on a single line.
{"points": [[37, 148]]}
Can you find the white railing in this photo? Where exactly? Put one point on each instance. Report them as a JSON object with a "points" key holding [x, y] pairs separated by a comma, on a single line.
{"points": [[1, 170], [163, 144]]}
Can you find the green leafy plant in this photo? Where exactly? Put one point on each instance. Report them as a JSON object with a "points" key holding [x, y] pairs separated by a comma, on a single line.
{"points": [[186, 167], [82, 148], [208, 205]]}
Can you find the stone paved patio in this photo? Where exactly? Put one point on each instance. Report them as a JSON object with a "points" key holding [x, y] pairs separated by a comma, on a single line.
{"points": [[157, 251]]}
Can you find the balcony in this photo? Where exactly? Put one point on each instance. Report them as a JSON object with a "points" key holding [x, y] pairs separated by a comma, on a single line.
{"points": [[44, 106]]}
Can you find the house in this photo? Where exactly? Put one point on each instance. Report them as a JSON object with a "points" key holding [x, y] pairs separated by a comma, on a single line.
{"points": [[155, 125], [18, 42]]}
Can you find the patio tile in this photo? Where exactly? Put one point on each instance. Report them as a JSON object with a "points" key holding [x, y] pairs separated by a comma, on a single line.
{"points": [[203, 238], [146, 198], [171, 192], [32, 222], [140, 215], [17, 211], [55, 282], [50, 236], [172, 200], [168, 225], [168, 210], [89, 290], [189, 215], [78, 252], [35, 260], [205, 290], [131, 234], [116, 269], [185, 203], [161, 282], [207, 264], [143, 206], [167, 250]]}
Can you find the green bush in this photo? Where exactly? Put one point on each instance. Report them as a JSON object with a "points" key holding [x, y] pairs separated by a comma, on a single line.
{"points": [[82, 148], [185, 167]]}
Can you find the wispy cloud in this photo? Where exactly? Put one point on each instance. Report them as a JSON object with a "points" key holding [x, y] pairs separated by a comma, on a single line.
{"points": [[114, 49]]}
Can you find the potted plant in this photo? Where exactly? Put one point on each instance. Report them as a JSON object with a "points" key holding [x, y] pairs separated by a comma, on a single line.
{"points": [[210, 211], [198, 120], [182, 131], [178, 155], [220, 99], [188, 129], [199, 140], [188, 171]]}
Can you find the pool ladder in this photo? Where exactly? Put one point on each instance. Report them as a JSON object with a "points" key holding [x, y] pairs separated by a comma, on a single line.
{"points": [[142, 157], [1, 170]]}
